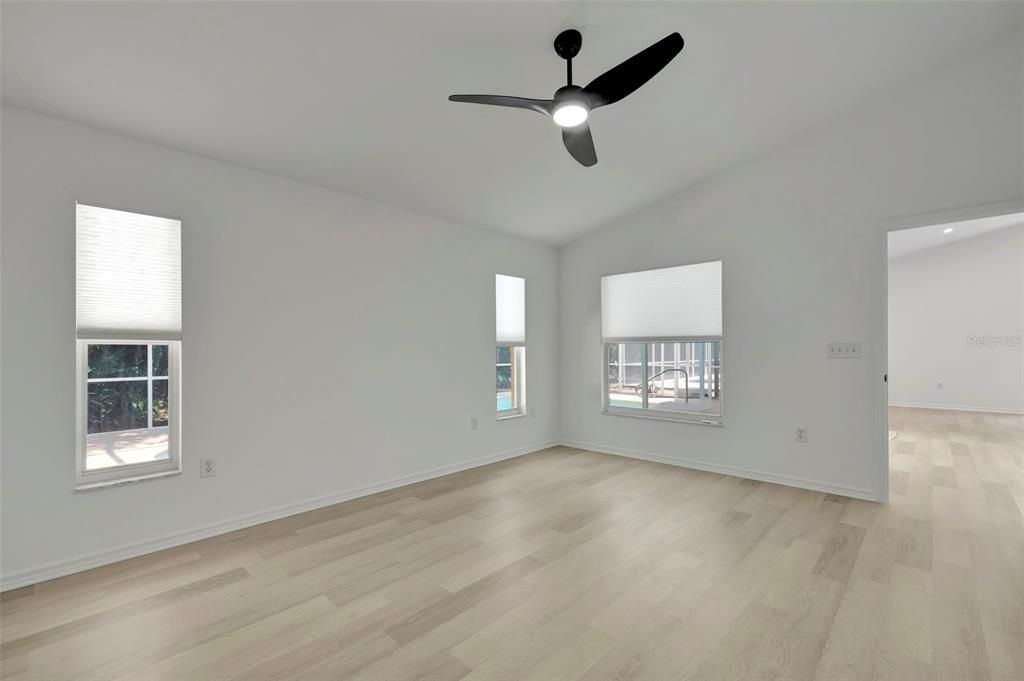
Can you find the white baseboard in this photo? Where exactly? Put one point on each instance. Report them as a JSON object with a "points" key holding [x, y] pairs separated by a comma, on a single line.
{"points": [[762, 476], [61, 568], [947, 407]]}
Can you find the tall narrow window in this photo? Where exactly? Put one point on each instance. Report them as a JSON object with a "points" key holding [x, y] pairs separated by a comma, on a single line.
{"points": [[662, 332], [128, 326], [510, 337]]}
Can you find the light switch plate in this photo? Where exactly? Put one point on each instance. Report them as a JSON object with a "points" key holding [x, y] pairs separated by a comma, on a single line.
{"points": [[837, 350]]}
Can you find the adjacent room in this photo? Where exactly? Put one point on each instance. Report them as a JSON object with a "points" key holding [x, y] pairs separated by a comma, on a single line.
{"points": [[956, 299], [511, 340]]}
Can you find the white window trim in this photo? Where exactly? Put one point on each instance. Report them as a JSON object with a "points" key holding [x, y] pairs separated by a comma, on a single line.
{"points": [[646, 413], [132, 472], [519, 380]]}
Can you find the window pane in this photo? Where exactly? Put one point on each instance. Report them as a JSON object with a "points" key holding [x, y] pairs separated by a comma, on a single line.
{"points": [[121, 447], [117, 427], [504, 383], [504, 388], [624, 377], [160, 404], [160, 360], [117, 361], [632, 353], [117, 405], [123, 426], [690, 383]]}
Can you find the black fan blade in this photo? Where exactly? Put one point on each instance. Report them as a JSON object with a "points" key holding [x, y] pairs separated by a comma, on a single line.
{"points": [[580, 143], [542, 106], [621, 80]]}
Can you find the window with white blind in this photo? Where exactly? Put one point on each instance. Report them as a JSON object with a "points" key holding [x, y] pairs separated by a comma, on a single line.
{"points": [[510, 342], [662, 333], [128, 328]]}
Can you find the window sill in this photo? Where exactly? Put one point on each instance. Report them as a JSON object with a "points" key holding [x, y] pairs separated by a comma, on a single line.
{"points": [[511, 415], [694, 419], [86, 486]]}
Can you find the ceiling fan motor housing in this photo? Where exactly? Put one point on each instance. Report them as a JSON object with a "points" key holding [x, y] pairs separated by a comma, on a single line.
{"points": [[568, 93], [570, 107]]}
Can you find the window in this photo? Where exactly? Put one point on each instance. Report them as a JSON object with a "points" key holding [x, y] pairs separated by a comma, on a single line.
{"points": [[510, 337], [681, 377], [662, 332], [128, 325]]}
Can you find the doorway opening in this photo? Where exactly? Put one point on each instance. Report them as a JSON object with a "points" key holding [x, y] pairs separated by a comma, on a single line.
{"points": [[954, 353]]}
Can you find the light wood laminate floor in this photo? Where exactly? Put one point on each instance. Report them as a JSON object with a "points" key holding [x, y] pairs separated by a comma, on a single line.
{"points": [[568, 564]]}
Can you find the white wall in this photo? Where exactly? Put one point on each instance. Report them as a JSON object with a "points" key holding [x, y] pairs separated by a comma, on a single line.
{"points": [[941, 301], [804, 246], [330, 344]]}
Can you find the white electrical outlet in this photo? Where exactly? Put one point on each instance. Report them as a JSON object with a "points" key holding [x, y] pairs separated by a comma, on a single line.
{"points": [[207, 468], [801, 434], [838, 350], [938, 386], [472, 423]]}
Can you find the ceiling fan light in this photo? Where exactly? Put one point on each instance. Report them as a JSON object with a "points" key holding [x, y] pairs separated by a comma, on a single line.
{"points": [[570, 114]]}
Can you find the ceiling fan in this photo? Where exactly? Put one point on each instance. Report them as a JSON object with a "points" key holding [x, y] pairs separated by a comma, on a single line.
{"points": [[571, 105]]}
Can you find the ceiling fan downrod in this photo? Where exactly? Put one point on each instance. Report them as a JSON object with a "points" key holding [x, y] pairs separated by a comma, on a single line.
{"points": [[567, 46]]}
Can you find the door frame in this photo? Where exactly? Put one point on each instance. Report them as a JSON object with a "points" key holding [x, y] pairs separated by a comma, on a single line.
{"points": [[911, 222]]}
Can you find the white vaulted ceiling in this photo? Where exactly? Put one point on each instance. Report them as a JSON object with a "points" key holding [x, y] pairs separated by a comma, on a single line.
{"points": [[352, 96], [906, 241]]}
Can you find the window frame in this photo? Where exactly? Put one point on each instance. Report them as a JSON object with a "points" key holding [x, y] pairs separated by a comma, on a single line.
{"points": [[517, 360], [644, 412], [129, 472]]}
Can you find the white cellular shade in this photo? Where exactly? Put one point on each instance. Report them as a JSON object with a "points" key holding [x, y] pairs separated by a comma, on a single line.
{"points": [[669, 303], [128, 282], [510, 309]]}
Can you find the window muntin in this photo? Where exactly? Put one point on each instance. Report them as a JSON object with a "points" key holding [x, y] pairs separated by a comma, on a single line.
{"points": [[128, 327]]}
